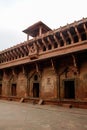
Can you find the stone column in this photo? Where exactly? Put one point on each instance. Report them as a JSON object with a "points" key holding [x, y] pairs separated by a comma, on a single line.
{"points": [[40, 31], [27, 37]]}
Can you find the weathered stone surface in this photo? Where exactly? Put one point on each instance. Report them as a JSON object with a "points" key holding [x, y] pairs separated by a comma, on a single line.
{"points": [[52, 65]]}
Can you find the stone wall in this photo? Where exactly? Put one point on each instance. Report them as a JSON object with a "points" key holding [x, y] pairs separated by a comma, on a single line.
{"points": [[49, 80], [49, 83], [22, 85]]}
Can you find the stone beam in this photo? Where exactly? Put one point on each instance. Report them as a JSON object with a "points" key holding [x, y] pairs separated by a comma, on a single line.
{"points": [[11, 55], [63, 38], [70, 36], [56, 40], [85, 28], [44, 43], [78, 34], [25, 49], [2, 58], [49, 40], [15, 53], [8, 55], [22, 51], [18, 52], [39, 45]]}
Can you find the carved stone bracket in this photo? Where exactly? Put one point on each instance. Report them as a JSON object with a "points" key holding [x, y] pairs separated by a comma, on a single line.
{"points": [[13, 72], [53, 66], [74, 60], [37, 68], [75, 66], [73, 70]]}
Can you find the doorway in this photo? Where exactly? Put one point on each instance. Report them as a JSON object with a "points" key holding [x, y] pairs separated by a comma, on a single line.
{"points": [[0, 89], [13, 90], [35, 89], [69, 89]]}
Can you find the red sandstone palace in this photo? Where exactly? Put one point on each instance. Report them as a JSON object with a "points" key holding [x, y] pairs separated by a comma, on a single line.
{"points": [[51, 66]]}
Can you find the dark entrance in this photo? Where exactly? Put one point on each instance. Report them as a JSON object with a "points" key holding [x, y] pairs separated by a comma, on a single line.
{"points": [[13, 90], [0, 89], [69, 89], [35, 89]]}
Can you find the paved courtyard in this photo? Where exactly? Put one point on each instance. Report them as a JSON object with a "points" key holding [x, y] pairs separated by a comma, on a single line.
{"points": [[24, 116]]}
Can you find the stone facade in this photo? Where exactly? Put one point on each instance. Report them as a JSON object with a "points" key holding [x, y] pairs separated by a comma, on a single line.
{"points": [[52, 65]]}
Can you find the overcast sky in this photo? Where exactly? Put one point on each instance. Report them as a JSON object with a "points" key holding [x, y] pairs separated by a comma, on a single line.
{"points": [[17, 15]]}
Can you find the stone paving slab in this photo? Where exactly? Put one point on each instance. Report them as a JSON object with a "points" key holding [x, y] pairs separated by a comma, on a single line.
{"points": [[24, 116]]}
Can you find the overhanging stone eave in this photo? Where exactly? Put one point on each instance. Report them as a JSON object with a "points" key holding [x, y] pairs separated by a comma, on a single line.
{"points": [[73, 48]]}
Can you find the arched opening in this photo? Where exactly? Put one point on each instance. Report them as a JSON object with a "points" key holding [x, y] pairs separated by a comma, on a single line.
{"points": [[36, 86], [36, 90], [36, 77], [14, 89], [69, 89]]}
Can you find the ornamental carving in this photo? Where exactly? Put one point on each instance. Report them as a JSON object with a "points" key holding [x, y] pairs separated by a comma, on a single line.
{"points": [[33, 52], [71, 71]]}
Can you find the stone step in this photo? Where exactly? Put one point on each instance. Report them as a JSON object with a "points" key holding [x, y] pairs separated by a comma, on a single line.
{"points": [[67, 105]]}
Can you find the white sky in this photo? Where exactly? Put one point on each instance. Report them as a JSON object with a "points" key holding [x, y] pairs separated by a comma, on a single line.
{"points": [[17, 15]]}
